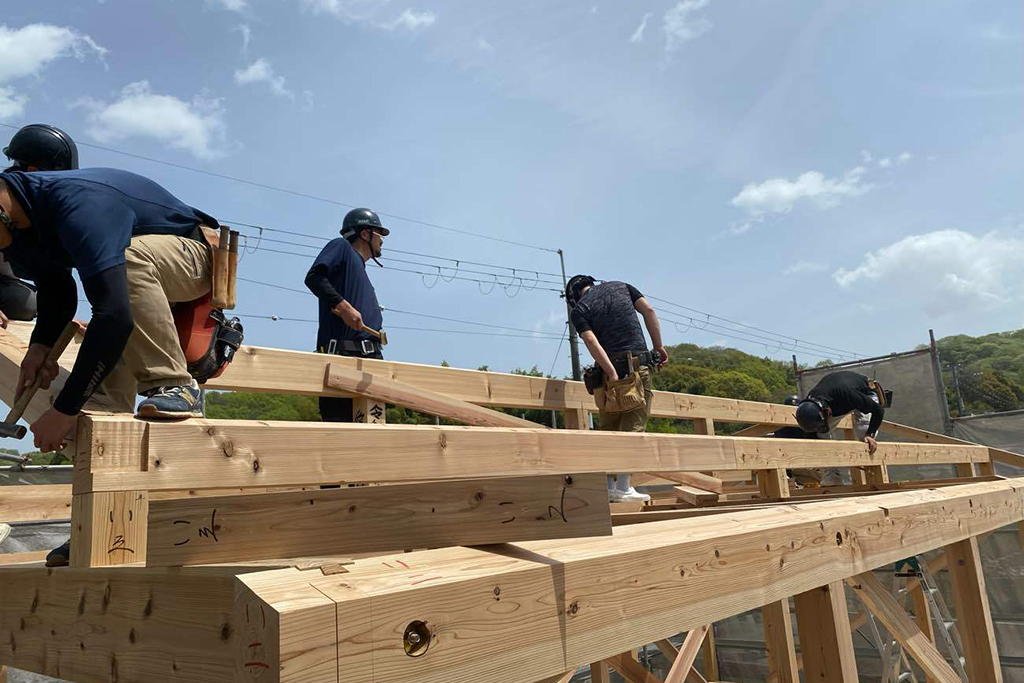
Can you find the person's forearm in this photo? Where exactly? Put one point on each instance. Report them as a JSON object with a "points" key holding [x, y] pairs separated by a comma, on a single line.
{"points": [[318, 283], [56, 302], [877, 415], [105, 338], [653, 328], [600, 357]]}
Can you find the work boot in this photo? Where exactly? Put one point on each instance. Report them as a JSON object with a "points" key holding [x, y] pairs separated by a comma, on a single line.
{"points": [[5, 531], [186, 401], [59, 557], [630, 496]]}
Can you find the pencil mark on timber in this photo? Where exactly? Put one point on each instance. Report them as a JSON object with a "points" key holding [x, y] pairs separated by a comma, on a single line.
{"points": [[402, 563], [204, 531], [508, 502], [119, 544], [560, 510]]}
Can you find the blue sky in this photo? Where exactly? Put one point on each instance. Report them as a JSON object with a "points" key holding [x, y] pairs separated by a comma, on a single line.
{"points": [[844, 173]]}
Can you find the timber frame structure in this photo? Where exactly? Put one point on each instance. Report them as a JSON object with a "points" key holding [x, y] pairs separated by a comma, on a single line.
{"points": [[206, 551]]}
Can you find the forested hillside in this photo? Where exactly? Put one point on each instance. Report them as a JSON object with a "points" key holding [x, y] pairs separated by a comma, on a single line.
{"points": [[990, 370]]}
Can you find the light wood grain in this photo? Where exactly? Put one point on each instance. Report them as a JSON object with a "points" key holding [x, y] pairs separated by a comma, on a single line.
{"points": [[974, 616], [34, 503], [376, 518], [826, 639]]}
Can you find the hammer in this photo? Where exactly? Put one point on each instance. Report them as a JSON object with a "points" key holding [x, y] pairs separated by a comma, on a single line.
{"points": [[382, 335], [10, 426]]}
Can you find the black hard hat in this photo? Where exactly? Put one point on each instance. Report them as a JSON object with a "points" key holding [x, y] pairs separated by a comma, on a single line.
{"points": [[46, 147], [792, 400], [576, 283], [357, 220], [812, 416]]}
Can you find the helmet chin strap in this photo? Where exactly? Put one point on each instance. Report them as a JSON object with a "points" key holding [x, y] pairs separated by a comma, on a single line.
{"points": [[369, 243]]}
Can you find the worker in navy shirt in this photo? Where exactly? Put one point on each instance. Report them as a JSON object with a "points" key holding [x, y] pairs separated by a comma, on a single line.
{"points": [[137, 250], [347, 300]]}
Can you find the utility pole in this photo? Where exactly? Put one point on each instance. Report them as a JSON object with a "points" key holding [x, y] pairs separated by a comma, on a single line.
{"points": [[574, 348]]}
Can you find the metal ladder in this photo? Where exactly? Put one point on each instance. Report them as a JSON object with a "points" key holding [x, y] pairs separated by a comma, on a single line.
{"points": [[916, 567]]}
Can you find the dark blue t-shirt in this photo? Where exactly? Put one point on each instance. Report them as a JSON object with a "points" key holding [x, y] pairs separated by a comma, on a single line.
{"points": [[346, 271], [85, 219]]}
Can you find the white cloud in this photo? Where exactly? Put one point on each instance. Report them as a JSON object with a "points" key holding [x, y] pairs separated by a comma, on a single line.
{"points": [[804, 267], [411, 20], [246, 36], [638, 35], [948, 270], [232, 5], [12, 105], [778, 195], [261, 71], [904, 158], [308, 103], [352, 10], [27, 50], [885, 163], [680, 27], [865, 156], [483, 44], [196, 127]]}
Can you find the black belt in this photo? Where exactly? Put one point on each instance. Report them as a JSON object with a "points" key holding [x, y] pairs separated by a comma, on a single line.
{"points": [[621, 361], [363, 347]]}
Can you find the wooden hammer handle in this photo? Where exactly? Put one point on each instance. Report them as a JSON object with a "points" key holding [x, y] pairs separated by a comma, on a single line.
{"points": [[54, 354], [370, 330]]}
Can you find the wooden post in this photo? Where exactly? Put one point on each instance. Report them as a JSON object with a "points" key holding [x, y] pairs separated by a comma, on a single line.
{"points": [[369, 411], [826, 640], [922, 616], [599, 673], [711, 656], [576, 418], [778, 626], [974, 618], [108, 528], [704, 425]]}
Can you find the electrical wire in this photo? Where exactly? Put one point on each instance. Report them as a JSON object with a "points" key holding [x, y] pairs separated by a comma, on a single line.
{"points": [[782, 337], [544, 336], [739, 338], [559, 349], [304, 195]]}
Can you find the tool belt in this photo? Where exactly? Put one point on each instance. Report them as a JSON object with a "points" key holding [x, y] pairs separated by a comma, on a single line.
{"points": [[884, 397], [344, 347], [626, 393], [593, 375]]}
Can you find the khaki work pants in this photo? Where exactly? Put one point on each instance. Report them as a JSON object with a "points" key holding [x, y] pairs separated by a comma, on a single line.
{"points": [[162, 270], [629, 421]]}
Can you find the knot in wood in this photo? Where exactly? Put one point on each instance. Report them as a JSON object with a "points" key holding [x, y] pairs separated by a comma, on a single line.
{"points": [[443, 441]]}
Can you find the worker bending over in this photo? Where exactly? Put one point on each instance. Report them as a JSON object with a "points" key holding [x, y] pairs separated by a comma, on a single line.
{"points": [[836, 395], [137, 250], [36, 147], [347, 299], [605, 317]]}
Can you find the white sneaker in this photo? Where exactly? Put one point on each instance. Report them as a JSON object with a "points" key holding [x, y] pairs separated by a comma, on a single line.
{"points": [[5, 531], [630, 496]]}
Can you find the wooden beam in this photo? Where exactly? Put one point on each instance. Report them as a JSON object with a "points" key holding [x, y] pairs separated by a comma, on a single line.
{"points": [[599, 673], [711, 655], [756, 430], [903, 629], [826, 641], [23, 558], [695, 479], [694, 496], [34, 503], [562, 603], [687, 655], [564, 678], [118, 453], [123, 624], [631, 670], [974, 617], [424, 400], [108, 528], [704, 425], [924, 436], [376, 518], [12, 352]]}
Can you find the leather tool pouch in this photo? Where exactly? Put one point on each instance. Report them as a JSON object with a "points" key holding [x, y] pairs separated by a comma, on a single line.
{"points": [[884, 397], [622, 395]]}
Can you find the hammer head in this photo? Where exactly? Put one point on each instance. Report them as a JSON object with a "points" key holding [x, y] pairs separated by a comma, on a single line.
{"points": [[12, 430], [383, 338]]}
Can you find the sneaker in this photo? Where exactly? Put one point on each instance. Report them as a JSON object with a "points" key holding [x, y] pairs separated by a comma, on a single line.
{"points": [[5, 531], [186, 401], [630, 496], [59, 557]]}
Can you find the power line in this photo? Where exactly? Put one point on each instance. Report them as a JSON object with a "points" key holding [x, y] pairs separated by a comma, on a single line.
{"points": [[545, 336], [731, 336], [559, 349], [786, 338], [304, 195]]}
